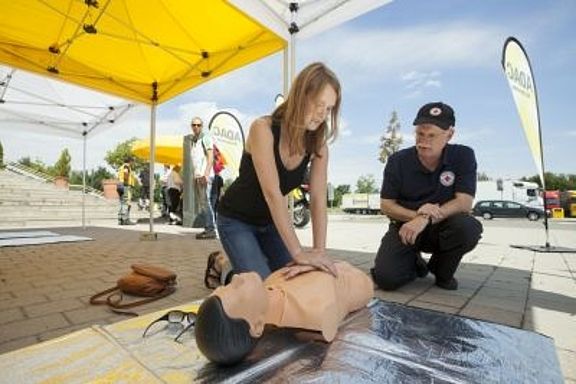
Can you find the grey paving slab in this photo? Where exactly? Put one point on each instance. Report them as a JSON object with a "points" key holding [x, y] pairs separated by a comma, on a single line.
{"points": [[16, 234], [20, 241], [568, 363]]}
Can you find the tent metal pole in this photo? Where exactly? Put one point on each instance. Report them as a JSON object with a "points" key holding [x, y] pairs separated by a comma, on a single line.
{"points": [[292, 56], [285, 71], [151, 165], [84, 134]]}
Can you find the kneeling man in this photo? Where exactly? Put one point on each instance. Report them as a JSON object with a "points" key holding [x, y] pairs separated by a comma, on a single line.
{"points": [[427, 193]]}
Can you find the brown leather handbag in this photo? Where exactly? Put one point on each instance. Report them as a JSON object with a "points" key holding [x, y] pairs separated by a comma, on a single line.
{"points": [[145, 280]]}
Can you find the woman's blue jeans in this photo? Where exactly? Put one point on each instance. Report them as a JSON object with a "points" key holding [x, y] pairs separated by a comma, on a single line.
{"points": [[251, 247]]}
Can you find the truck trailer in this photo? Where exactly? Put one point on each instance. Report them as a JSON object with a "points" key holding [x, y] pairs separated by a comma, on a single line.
{"points": [[362, 203]]}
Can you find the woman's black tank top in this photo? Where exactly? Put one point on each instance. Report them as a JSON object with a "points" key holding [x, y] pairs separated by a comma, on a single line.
{"points": [[244, 199]]}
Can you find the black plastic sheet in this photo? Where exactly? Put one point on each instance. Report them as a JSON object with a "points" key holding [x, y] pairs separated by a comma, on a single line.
{"points": [[393, 343]]}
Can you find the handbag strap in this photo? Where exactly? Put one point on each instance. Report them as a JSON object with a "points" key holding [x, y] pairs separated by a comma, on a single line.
{"points": [[94, 299], [117, 304]]}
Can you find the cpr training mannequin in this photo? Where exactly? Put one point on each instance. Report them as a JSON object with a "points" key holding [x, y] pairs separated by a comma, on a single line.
{"points": [[231, 320]]}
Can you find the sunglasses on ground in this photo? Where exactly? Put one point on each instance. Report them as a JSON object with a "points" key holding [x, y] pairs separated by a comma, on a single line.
{"points": [[175, 317]]}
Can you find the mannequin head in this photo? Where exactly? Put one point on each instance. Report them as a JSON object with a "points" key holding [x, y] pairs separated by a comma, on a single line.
{"points": [[221, 339], [231, 319]]}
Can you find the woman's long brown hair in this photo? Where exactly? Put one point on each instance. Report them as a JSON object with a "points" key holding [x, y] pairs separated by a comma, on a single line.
{"points": [[291, 113]]}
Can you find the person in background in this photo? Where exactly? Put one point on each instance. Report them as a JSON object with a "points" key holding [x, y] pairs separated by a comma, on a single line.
{"points": [[144, 177], [216, 192], [126, 182], [427, 193], [164, 190], [254, 223], [174, 190], [202, 159]]}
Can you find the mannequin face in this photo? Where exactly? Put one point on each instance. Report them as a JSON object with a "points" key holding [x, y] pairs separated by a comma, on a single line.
{"points": [[245, 298]]}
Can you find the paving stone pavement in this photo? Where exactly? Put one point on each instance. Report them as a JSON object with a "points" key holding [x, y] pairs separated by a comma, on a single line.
{"points": [[44, 289]]}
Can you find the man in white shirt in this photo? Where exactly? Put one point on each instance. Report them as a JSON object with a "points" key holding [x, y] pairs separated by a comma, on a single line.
{"points": [[202, 160]]}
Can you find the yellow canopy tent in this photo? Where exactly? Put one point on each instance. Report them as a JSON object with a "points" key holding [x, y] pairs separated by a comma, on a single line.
{"points": [[148, 51], [168, 149]]}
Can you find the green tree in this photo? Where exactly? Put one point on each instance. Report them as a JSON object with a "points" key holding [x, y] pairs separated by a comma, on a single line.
{"points": [[1, 156], [562, 182], [93, 177], [366, 184], [62, 166], [36, 165], [115, 158], [338, 192], [391, 140]]}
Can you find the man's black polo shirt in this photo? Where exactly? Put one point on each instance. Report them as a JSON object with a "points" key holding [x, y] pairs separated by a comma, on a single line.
{"points": [[408, 182]]}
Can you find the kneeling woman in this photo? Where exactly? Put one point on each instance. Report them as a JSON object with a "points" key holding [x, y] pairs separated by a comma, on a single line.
{"points": [[253, 219]]}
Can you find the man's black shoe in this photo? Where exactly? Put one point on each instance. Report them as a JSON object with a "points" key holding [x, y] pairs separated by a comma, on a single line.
{"points": [[450, 285], [206, 235], [421, 267]]}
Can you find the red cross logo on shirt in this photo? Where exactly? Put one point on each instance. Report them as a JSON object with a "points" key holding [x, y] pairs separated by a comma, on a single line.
{"points": [[447, 178]]}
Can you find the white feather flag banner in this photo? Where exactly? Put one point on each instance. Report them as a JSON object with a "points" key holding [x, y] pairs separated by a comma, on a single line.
{"points": [[521, 81]]}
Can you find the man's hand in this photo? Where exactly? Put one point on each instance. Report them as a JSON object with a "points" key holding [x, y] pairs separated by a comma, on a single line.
{"points": [[411, 229], [308, 260], [202, 180], [431, 210]]}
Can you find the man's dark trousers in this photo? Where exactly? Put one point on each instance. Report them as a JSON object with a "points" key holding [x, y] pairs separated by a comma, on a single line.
{"points": [[447, 241]]}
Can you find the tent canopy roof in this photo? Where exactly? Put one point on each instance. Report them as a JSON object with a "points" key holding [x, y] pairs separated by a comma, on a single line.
{"points": [[42, 105], [149, 51], [311, 16]]}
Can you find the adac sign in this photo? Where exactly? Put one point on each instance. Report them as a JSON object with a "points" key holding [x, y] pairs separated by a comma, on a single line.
{"points": [[520, 78], [226, 134]]}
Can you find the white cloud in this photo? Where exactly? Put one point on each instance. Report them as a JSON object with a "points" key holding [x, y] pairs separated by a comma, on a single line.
{"points": [[377, 52]]}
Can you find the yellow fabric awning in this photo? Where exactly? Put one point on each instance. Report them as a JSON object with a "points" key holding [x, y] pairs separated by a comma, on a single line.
{"points": [[168, 149], [149, 51]]}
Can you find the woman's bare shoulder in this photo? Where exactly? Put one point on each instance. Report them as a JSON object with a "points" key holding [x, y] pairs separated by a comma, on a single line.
{"points": [[259, 130], [261, 122]]}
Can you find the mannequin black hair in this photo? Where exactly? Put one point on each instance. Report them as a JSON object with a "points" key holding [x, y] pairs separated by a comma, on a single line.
{"points": [[221, 339]]}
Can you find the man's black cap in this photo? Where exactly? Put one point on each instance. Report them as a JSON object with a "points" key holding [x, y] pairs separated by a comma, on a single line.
{"points": [[438, 113]]}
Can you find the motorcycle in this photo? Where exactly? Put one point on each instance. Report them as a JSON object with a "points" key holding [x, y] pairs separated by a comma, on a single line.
{"points": [[301, 212]]}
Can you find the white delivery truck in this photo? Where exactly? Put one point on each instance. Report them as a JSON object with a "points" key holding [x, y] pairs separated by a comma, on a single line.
{"points": [[524, 192], [362, 203]]}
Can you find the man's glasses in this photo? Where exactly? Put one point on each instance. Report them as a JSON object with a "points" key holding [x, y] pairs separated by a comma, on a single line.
{"points": [[175, 317], [196, 125]]}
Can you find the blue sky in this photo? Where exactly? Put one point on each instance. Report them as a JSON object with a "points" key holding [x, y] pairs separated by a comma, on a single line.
{"points": [[397, 58]]}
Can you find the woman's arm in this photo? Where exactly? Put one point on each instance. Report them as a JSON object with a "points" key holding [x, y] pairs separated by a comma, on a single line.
{"points": [[318, 182]]}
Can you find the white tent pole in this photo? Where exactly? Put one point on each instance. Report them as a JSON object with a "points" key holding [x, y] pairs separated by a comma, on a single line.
{"points": [[84, 134], [292, 56], [152, 157], [293, 29], [286, 72]]}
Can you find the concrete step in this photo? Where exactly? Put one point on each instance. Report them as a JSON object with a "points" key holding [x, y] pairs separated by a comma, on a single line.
{"points": [[28, 202], [94, 202]]}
